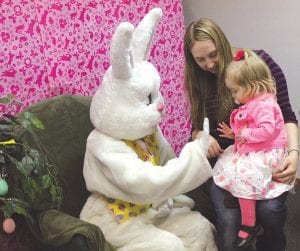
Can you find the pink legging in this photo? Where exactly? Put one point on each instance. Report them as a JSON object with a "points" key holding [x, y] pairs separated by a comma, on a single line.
{"points": [[248, 214]]}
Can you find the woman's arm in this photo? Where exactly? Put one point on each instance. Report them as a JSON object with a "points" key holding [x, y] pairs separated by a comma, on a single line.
{"points": [[288, 169], [289, 166], [282, 93]]}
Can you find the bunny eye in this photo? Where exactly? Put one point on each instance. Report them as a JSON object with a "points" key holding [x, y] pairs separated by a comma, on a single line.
{"points": [[149, 99]]}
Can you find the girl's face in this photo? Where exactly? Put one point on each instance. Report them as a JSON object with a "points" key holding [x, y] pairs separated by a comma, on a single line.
{"points": [[239, 93], [206, 56]]}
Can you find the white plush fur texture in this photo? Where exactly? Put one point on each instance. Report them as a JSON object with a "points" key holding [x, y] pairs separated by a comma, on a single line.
{"points": [[128, 105]]}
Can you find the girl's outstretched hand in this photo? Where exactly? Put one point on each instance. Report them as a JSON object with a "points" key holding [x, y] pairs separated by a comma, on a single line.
{"points": [[225, 130]]}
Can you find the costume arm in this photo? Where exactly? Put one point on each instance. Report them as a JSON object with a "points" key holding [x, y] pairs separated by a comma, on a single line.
{"points": [[114, 169]]}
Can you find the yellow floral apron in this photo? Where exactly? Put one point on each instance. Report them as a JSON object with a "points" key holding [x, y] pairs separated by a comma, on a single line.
{"points": [[123, 210]]}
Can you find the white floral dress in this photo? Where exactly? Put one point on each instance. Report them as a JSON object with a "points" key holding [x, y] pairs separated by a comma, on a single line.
{"points": [[249, 175]]}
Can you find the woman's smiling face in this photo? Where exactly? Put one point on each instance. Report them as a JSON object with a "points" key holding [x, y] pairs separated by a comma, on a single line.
{"points": [[206, 56]]}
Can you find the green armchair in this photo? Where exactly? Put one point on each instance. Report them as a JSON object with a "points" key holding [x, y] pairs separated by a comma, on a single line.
{"points": [[67, 125]]}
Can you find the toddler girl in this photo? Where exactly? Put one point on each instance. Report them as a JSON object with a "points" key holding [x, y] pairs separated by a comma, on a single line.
{"points": [[260, 141]]}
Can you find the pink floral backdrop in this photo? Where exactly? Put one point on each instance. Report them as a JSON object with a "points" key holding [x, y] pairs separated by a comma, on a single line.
{"points": [[50, 48]]}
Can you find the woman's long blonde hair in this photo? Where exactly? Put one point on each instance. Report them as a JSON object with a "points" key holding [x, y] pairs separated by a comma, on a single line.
{"points": [[199, 83], [251, 72]]}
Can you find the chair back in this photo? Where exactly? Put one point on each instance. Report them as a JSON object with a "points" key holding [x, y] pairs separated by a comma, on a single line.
{"points": [[67, 126]]}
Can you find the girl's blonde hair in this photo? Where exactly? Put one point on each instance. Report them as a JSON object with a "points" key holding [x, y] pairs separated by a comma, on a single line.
{"points": [[251, 72], [199, 83]]}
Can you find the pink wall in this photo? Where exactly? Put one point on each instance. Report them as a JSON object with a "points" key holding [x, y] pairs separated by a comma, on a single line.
{"points": [[49, 48]]}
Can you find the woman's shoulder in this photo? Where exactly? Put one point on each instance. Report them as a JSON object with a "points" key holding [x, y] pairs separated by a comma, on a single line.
{"points": [[262, 53], [268, 60], [259, 52]]}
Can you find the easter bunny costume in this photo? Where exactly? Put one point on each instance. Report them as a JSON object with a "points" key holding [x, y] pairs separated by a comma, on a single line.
{"points": [[135, 179]]}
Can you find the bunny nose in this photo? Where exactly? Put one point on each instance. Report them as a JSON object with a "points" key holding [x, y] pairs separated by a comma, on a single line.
{"points": [[160, 107]]}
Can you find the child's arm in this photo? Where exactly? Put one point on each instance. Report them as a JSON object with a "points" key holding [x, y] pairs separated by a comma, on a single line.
{"points": [[264, 127], [226, 131]]}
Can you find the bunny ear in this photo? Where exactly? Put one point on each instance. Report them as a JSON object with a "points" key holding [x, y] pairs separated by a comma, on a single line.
{"points": [[120, 52], [143, 35]]}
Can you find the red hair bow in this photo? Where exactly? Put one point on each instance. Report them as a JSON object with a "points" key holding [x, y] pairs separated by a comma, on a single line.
{"points": [[239, 55]]}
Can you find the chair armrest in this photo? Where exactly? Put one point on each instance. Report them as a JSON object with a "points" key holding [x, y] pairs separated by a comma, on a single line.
{"points": [[58, 229]]}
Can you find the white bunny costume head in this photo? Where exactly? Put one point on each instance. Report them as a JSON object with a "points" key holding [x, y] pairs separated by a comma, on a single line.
{"points": [[128, 104]]}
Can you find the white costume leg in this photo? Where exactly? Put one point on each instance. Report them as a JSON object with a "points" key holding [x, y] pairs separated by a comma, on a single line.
{"points": [[136, 234], [194, 230]]}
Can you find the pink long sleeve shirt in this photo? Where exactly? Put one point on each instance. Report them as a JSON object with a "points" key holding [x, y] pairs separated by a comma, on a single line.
{"points": [[260, 123]]}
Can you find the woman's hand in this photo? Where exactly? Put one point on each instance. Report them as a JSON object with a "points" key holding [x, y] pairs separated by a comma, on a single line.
{"points": [[288, 169], [214, 149]]}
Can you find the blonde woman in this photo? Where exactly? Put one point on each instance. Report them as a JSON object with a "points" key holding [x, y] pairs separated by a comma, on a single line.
{"points": [[207, 54]]}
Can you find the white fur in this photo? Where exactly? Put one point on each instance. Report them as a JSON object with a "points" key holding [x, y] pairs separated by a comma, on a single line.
{"points": [[120, 109]]}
